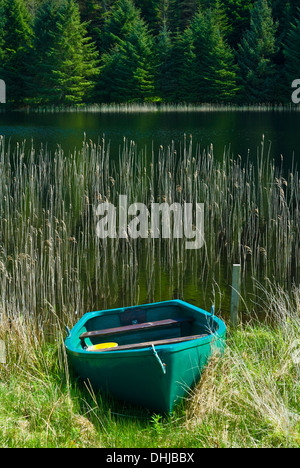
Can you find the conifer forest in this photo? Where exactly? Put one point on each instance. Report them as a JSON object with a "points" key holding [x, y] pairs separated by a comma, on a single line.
{"points": [[68, 52]]}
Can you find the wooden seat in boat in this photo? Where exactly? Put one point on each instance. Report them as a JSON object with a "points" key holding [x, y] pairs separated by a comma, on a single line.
{"points": [[135, 327], [148, 344]]}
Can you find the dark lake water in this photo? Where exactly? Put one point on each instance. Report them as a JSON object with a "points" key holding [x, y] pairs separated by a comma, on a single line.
{"points": [[238, 131]]}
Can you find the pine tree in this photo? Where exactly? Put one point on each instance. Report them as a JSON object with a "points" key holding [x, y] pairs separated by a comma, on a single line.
{"points": [[93, 14], [181, 13], [64, 66], [256, 56], [292, 55], [16, 43], [191, 79], [238, 13], [2, 28], [162, 12], [127, 72], [284, 14], [209, 72], [164, 70], [150, 14], [171, 55], [39, 79], [120, 20]]}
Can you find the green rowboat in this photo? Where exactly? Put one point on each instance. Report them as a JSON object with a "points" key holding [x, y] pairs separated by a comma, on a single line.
{"points": [[150, 355]]}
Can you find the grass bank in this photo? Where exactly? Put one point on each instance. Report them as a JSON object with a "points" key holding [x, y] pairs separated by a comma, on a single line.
{"points": [[250, 397]]}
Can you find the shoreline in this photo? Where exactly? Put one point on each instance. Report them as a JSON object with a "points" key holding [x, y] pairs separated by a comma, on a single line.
{"points": [[158, 107]]}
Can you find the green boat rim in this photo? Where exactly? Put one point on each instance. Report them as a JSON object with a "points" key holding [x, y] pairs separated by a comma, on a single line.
{"points": [[172, 347]]}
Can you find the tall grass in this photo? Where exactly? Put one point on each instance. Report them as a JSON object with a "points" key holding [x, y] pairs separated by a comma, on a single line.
{"points": [[249, 397], [137, 107], [51, 258]]}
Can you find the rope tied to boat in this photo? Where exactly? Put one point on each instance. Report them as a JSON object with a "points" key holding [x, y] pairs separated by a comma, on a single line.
{"points": [[162, 364]]}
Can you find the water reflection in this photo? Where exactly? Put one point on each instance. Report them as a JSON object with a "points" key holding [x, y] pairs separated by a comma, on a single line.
{"points": [[241, 132]]}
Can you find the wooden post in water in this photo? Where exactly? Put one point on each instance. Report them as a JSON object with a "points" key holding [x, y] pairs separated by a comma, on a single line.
{"points": [[235, 295], [2, 352]]}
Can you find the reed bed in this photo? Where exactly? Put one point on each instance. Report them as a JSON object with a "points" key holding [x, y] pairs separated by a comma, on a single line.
{"points": [[166, 107], [51, 261]]}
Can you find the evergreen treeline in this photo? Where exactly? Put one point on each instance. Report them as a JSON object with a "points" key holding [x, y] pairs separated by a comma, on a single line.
{"points": [[74, 51]]}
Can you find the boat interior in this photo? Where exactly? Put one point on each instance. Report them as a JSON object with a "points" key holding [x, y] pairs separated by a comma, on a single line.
{"points": [[138, 327]]}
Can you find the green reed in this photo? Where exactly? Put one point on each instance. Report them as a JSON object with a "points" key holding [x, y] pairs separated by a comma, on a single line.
{"points": [[52, 261], [140, 107]]}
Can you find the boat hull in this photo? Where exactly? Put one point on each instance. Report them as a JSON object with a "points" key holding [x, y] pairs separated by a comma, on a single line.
{"points": [[154, 377]]}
